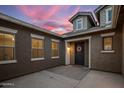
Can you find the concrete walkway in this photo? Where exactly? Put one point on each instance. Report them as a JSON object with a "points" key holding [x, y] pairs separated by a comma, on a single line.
{"points": [[99, 79], [67, 77], [76, 72]]}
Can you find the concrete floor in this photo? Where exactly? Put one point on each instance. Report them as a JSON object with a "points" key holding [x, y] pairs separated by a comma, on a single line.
{"points": [[68, 77], [76, 72]]}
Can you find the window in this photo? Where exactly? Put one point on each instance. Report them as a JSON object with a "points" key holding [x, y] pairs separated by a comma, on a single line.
{"points": [[7, 47], [79, 24], [55, 48], [108, 15], [107, 43], [37, 48]]}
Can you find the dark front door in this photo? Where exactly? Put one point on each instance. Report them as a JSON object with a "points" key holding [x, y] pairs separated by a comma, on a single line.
{"points": [[79, 53]]}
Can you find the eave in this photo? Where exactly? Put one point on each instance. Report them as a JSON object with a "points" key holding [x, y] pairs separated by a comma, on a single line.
{"points": [[19, 22]]}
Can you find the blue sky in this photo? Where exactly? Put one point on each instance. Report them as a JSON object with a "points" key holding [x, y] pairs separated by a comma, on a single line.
{"points": [[52, 17]]}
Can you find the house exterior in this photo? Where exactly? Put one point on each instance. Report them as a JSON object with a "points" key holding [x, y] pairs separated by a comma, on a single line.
{"points": [[25, 48]]}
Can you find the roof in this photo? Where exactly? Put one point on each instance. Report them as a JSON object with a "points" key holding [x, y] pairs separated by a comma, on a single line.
{"points": [[97, 29], [14, 20], [99, 8], [91, 30], [89, 14]]}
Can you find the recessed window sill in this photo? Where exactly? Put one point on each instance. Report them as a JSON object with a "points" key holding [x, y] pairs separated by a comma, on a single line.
{"points": [[36, 59], [8, 62], [108, 25], [111, 51], [108, 22], [55, 57]]}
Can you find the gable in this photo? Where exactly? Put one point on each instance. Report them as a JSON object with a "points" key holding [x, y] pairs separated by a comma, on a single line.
{"points": [[88, 14]]}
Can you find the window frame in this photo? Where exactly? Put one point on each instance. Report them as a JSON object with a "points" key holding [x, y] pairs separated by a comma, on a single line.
{"points": [[79, 19], [39, 37], [13, 32], [107, 35], [103, 45], [57, 41], [107, 16]]}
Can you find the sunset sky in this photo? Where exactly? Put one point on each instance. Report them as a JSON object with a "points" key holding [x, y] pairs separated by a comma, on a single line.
{"points": [[52, 17]]}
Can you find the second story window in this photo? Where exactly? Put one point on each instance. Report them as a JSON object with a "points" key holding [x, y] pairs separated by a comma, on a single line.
{"points": [[108, 15], [79, 24]]}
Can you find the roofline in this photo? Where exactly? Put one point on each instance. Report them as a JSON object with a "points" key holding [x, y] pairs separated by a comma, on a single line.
{"points": [[73, 16], [99, 8], [88, 13], [88, 31], [116, 12], [19, 22]]}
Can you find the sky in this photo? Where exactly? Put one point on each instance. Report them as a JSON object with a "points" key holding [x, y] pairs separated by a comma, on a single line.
{"points": [[51, 17]]}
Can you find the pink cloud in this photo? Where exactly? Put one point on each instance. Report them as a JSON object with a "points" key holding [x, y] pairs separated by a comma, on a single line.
{"points": [[41, 15], [40, 12], [58, 24], [48, 27]]}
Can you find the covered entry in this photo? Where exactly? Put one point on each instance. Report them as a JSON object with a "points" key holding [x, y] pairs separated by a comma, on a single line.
{"points": [[78, 51]]}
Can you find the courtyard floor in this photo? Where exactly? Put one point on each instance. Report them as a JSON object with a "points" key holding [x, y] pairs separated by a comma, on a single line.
{"points": [[71, 76]]}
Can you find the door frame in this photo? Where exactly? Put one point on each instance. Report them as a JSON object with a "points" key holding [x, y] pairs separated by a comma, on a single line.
{"points": [[67, 50], [82, 44]]}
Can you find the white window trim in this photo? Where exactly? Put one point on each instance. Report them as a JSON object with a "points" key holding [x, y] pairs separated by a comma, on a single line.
{"points": [[37, 37], [57, 41], [36, 59], [8, 62], [4, 29], [11, 31], [81, 24], [106, 11], [55, 57], [107, 51], [108, 34]]}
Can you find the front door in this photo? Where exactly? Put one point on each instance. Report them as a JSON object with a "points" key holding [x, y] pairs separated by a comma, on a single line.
{"points": [[79, 53]]}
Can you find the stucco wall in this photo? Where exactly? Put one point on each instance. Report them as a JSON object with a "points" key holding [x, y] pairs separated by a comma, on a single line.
{"points": [[123, 50], [121, 23], [107, 61], [88, 23], [110, 62], [24, 64]]}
